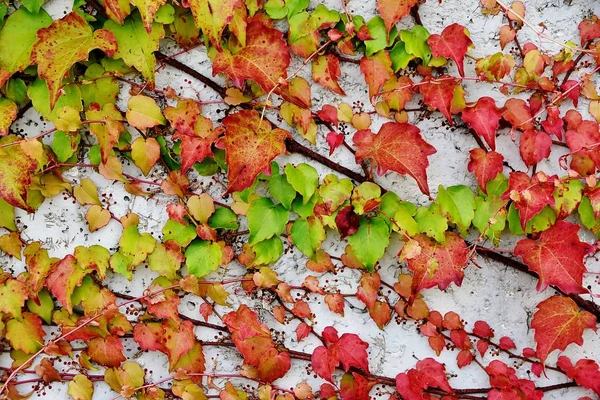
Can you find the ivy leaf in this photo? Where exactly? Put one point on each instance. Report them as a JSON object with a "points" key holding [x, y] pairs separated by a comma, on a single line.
{"points": [[396, 147], [15, 177], [558, 322], [484, 119], [106, 133], [64, 277], [557, 258], [281, 190], [436, 264], [529, 195], [81, 388], [106, 351], [65, 42], [377, 69], [145, 153], [415, 42], [518, 114], [349, 350], [265, 220], [326, 71], [439, 93], [26, 334], [307, 235], [427, 373], [485, 165], [166, 259], [264, 59], [585, 372], [534, 146], [97, 217], [453, 43], [178, 232], [458, 203], [392, 11], [370, 241], [8, 114], [203, 257], [147, 10], [212, 16], [136, 46], [250, 145], [303, 178], [13, 294], [17, 37], [195, 147], [143, 112]]}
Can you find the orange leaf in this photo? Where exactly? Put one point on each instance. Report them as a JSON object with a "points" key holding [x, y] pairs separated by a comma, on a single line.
{"points": [[377, 69], [393, 10], [106, 351], [250, 145], [212, 16]]}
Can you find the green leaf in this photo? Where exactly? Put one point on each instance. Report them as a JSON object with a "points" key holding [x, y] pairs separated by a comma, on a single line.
{"points": [[307, 235], [136, 246], [458, 203], [365, 197], [7, 216], [370, 241], [323, 16], [540, 222], [81, 388], [40, 98], [303, 178], [165, 14], [267, 252], [432, 222], [334, 191], [45, 308], [567, 197], [17, 37], [65, 145], [135, 46], [16, 90], [182, 234], [265, 219], [203, 257], [379, 34], [402, 212], [99, 90], [400, 57], [223, 218], [415, 42], [588, 217], [490, 209], [281, 190], [305, 210]]}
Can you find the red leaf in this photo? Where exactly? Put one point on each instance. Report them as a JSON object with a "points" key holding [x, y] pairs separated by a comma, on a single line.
{"points": [[326, 71], [553, 123], [106, 351], [485, 165], [506, 343], [196, 147], [64, 277], [347, 221], [328, 113], [558, 322], [377, 69], [589, 29], [322, 363], [355, 387], [529, 195], [534, 146], [484, 119], [393, 10], [302, 331], [557, 258], [349, 350], [250, 146], [264, 59], [482, 346], [585, 372], [586, 135], [464, 358], [438, 93], [427, 373], [482, 329], [368, 288], [518, 114], [572, 89], [453, 43], [334, 140], [396, 147], [438, 264]]}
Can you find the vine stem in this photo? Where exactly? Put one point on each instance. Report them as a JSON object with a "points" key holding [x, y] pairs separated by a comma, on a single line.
{"points": [[64, 335]]}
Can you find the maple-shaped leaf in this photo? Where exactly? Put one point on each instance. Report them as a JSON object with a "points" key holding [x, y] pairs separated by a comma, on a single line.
{"points": [[393, 10], [530, 195], [65, 42], [585, 372], [396, 147], [253, 339], [558, 322], [453, 43], [484, 119], [196, 147], [534, 146], [377, 69], [135, 45], [250, 146], [106, 351], [427, 373], [264, 59], [64, 277], [439, 94], [169, 337], [17, 37], [557, 257], [212, 16], [326, 71], [436, 264], [147, 9], [349, 350], [485, 165], [518, 114], [15, 173]]}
